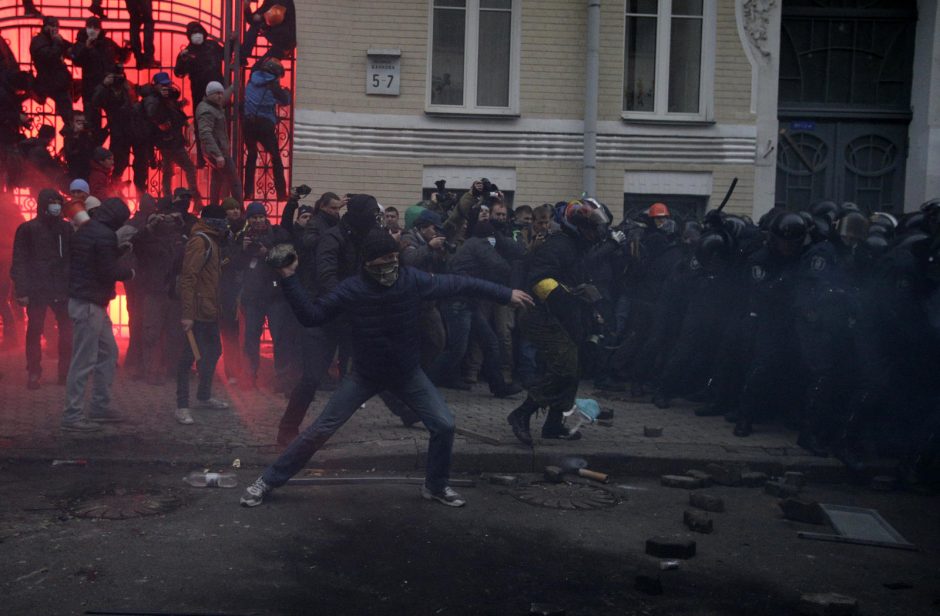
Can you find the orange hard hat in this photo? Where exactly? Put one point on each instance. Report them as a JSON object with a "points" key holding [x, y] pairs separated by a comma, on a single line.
{"points": [[658, 210], [274, 16]]}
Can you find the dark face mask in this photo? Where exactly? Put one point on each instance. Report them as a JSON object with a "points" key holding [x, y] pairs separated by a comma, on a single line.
{"points": [[385, 274]]}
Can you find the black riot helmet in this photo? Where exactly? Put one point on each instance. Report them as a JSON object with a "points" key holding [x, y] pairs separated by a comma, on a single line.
{"points": [[853, 228], [848, 206], [914, 222], [931, 211], [713, 248], [876, 244], [825, 209], [787, 234], [691, 231]]}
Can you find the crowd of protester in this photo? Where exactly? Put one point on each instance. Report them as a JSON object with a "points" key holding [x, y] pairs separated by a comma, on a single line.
{"points": [[825, 320], [123, 125]]}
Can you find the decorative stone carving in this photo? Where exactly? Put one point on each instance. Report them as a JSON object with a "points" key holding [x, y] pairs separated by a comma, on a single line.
{"points": [[756, 14]]}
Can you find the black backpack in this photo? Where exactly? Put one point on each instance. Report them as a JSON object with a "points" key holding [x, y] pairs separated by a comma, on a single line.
{"points": [[179, 253]]}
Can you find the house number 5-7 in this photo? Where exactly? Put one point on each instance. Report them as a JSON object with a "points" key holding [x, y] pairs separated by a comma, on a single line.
{"points": [[377, 80]]}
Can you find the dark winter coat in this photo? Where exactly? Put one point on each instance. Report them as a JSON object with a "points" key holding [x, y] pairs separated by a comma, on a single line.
{"points": [[95, 265], [383, 319], [95, 61], [202, 63], [320, 223], [40, 269], [260, 281], [338, 257], [118, 105], [156, 247], [52, 75], [477, 258], [166, 119]]}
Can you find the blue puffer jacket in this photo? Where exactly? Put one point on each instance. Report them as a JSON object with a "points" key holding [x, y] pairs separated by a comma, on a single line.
{"points": [[262, 95], [384, 319]]}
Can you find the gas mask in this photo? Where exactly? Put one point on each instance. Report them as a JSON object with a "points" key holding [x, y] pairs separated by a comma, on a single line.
{"points": [[385, 274], [197, 39]]}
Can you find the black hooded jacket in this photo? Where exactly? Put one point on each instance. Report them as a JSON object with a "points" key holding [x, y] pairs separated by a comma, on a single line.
{"points": [[96, 60], [95, 265], [40, 269], [48, 54]]}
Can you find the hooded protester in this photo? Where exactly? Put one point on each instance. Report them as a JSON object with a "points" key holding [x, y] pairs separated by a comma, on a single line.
{"points": [[97, 55], [263, 94], [166, 119], [381, 300], [99, 177], [40, 273], [94, 269], [115, 96], [48, 51]]}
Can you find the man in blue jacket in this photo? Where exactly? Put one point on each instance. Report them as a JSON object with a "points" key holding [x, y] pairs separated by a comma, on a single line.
{"points": [[381, 303], [263, 95]]}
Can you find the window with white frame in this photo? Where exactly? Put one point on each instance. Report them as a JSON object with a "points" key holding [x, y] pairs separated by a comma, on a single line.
{"points": [[474, 56], [668, 59]]}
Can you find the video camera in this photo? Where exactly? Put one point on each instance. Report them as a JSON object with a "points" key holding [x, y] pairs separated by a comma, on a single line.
{"points": [[302, 191], [445, 200], [489, 194]]}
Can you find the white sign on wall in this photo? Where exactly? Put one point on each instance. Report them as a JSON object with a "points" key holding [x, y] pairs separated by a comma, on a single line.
{"points": [[383, 72]]}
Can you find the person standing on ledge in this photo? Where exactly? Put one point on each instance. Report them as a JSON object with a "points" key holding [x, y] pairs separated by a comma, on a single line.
{"points": [[381, 303]]}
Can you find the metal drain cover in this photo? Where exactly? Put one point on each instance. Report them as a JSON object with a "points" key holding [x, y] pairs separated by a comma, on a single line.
{"points": [[123, 504], [566, 496]]}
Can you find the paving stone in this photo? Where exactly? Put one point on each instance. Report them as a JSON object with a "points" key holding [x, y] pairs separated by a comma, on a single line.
{"points": [[652, 431], [800, 510], [699, 474], [828, 604], [697, 521], [680, 481], [707, 502], [500, 480], [724, 475], [753, 479], [670, 547], [780, 489], [794, 478]]}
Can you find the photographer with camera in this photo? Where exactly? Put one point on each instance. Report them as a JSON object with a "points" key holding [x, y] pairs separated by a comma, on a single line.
{"points": [[115, 96], [481, 194], [164, 112]]}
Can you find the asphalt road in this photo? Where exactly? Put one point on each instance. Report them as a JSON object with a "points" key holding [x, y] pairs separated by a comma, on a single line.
{"points": [[383, 550]]}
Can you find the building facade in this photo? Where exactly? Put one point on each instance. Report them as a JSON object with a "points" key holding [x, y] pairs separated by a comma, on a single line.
{"points": [[631, 100]]}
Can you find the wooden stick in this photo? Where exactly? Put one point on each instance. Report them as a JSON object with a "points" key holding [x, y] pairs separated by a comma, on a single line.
{"points": [[192, 345]]}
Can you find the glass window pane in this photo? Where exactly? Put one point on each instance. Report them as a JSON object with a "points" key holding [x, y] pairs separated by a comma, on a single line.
{"points": [[639, 59], [493, 59], [685, 65], [451, 3], [447, 59], [645, 7], [496, 4], [687, 7]]}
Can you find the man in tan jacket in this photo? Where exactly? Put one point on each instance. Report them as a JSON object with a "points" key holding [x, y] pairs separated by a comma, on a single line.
{"points": [[199, 296], [212, 128]]}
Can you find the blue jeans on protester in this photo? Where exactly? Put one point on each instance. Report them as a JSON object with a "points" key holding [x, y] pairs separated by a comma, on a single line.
{"points": [[414, 389], [461, 318]]}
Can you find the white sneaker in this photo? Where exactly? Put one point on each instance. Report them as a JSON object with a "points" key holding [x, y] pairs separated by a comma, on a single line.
{"points": [[254, 494], [212, 403], [448, 496], [183, 416]]}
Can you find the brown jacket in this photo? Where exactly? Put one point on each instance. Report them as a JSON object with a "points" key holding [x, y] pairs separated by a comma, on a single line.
{"points": [[199, 277]]}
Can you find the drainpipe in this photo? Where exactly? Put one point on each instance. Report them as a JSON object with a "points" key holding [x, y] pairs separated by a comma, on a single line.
{"points": [[590, 97]]}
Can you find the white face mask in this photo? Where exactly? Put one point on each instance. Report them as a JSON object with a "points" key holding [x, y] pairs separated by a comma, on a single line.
{"points": [[54, 209], [197, 39], [492, 241], [92, 33]]}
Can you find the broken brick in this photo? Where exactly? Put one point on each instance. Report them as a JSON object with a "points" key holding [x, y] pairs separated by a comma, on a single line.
{"points": [[780, 489], [800, 510], [670, 547], [708, 502], [697, 474], [724, 475], [680, 481], [697, 521]]}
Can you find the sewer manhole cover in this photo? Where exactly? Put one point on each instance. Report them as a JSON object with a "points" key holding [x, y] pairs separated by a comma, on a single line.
{"points": [[123, 504], [566, 496]]}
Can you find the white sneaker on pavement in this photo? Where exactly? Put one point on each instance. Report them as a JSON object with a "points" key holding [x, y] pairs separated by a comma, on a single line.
{"points": [[183, 416], [448, 496]]}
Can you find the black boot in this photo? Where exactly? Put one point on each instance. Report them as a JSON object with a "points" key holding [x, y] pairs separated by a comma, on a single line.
{"points": [[554, 427], [519, 421]]}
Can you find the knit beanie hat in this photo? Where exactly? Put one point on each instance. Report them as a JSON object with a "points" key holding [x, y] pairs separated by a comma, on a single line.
{"points": [[213, 87], [47, 196], [305, 209], [378, 243], [79, 184], [231, 203], [256, 208]]}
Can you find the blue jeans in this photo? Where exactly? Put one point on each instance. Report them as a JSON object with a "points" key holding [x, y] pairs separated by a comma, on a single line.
{"points": [[94, 354], [462, 318], [414, 389]]}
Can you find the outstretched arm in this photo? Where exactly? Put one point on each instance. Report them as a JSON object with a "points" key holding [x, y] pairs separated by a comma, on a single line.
{"points": [[310, 313], [448, 285]]}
